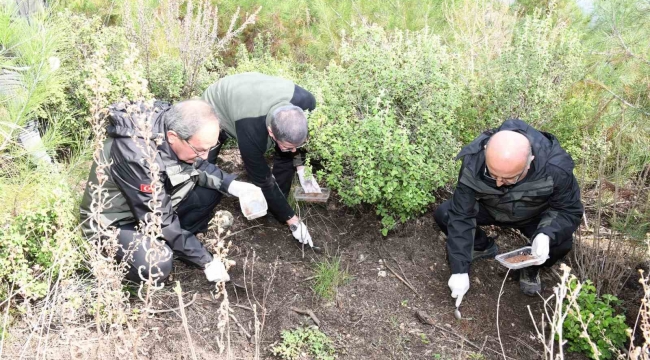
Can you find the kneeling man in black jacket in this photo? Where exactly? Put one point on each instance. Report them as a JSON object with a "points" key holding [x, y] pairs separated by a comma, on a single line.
{"points": [[518, 177]]}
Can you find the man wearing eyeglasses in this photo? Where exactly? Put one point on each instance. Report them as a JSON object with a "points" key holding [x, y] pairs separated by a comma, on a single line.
{"points": [[517, 177], [188, 190], [263, 112]]}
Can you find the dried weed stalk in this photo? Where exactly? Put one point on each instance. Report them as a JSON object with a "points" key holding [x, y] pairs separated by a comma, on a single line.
{"points": [[603, 254], [140, 28], [259, 316], [194, 34], [555, 312], [218, 230], [643, 320]]}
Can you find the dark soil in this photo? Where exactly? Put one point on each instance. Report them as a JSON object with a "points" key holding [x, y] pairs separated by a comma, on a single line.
{"points": [[371, 317]]}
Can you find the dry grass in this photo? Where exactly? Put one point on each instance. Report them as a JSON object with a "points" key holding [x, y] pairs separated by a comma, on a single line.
{"points": [[194, 35]]}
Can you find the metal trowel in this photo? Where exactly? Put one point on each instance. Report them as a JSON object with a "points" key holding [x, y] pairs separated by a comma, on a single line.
{"points": [[457, 314]]}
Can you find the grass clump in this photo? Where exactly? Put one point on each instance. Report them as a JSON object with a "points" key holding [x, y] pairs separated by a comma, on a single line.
{"points": [[328, 277]]}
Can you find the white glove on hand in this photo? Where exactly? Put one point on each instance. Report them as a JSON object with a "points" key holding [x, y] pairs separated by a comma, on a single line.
{"points": [[302, 234], [458, 284], [541, 246], [215, 271], [239, 188], [309, 184]]}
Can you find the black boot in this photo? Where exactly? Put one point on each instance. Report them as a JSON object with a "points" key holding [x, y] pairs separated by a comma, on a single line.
{"points": [[488, 253], [529, 281]]}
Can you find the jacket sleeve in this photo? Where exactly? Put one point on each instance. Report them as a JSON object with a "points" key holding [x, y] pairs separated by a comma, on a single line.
{"points": [[252, 146], [562, 218], [131, 175], [461, 228], [212, 177]]}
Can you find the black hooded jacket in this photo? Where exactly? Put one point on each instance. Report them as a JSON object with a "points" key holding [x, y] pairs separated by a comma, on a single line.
{"points": [[129, 188], [549, 191]]}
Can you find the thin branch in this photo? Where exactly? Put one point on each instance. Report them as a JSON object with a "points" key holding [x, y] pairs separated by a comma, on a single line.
{"points": [[182, 309], [233, 318], [401, 279], [308, 313], [617, 97], [152, 311], [498, 304]]}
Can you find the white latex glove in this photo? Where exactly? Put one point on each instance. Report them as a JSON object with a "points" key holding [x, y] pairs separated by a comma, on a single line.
{"points": [[302, 234], [458, 284], [239, 188], [215, 271], [541, 246], [308, 184]]}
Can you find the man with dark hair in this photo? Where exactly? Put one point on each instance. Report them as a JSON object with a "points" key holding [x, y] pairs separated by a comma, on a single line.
{"points": [[516, 177], [188, 190], [263, 112]]}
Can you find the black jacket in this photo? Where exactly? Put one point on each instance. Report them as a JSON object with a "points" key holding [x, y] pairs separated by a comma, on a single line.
{"points": [[128, 184], [549, 194]]}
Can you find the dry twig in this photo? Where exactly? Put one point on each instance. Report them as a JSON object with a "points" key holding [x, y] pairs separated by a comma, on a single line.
{"points": [[401, 279], [162, 311], [179, 292], [308, 313]]}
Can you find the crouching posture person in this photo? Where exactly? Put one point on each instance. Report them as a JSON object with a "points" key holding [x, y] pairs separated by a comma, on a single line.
{"points": [[515, 177], [190, 187], [263, 112]]}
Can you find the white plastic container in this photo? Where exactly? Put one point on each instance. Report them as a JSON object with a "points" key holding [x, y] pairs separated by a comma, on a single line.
{"points": [[253, 205], [300, 195], [527, 250]]}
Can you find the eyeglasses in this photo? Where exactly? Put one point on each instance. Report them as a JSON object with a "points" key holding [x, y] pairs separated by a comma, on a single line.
{"points": [[511, 180], [201, 153], [291, 149]]}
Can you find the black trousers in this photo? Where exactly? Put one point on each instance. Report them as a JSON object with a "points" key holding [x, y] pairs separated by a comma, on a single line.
{"points": [[481, 241], [283, 169], [194, 214]]}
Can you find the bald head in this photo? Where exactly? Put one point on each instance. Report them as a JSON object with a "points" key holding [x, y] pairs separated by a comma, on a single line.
{"points": [[507, 154]]}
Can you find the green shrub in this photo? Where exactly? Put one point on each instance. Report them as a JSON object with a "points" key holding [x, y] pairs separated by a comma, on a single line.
{"points": [[166, 78], [39, 242], [102, 57], [529, 77], [384, 121], [605, 328], [301, 340]]}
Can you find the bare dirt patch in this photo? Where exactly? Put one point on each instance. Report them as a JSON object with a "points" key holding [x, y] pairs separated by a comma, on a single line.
{"points": [[372, 317]]}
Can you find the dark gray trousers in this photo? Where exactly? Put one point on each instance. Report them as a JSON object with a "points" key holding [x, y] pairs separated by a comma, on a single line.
{"points": [[194, 213]]}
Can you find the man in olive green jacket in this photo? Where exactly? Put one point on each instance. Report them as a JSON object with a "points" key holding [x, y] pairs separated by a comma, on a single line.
{"points": [[263, 112]]}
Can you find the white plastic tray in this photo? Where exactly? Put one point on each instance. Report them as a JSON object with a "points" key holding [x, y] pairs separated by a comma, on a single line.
{"points": [[527, 250], [256, 205], [300, 195]]}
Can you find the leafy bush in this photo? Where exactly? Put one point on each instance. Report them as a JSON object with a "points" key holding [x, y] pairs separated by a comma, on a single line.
{"points": [[304, 340], [100, 57], [38, 243], [166, 78], [384, 121], [605, 328], [528, 77]]}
